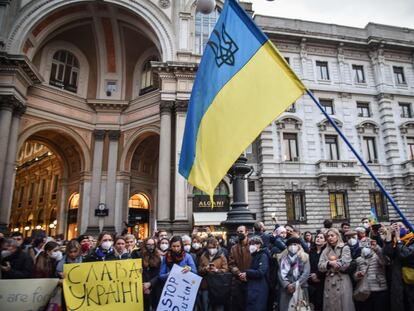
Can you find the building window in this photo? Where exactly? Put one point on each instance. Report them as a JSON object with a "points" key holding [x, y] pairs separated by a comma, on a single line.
{"points": [[369, 150], [405, 110], [358, 71], [322, 70], [290, 144], [41, 190], [363, 110], [251, 186], [295, 206], [338, 202], [65, 71], [410, 145], [138, 200], [31, 188], [399, 75], [21, 196], [287, 60], [55, 187], [204, 25], [331, 145], [379, 203], [148, 79], [327, 104]]}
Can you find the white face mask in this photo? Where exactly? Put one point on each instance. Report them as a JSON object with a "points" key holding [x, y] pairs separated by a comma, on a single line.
{"points": [[365, 225], [212, 251], [252, 249], [293, 249], [106, 245], [352, 241], [187, 248], [56, 255], [196, 246], [366, 251], [164, 247]]}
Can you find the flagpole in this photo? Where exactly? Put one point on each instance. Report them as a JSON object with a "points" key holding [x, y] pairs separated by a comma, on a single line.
{"points": [[332, 122]]}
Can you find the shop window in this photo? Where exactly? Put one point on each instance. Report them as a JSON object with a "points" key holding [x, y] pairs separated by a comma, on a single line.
{"points": [[201, 201], [338, 202], [65, 71], [204, 25]]}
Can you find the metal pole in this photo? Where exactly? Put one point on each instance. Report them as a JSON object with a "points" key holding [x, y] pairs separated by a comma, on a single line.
{"points": [[393, 203]]}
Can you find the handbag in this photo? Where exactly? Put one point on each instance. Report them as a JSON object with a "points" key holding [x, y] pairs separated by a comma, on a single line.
{"points": [[219, 287], [297, 302], [362, 290], [408, 275]]}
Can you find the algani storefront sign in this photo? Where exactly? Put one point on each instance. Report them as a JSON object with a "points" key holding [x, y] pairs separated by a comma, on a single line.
{"points": [[202, 203]]}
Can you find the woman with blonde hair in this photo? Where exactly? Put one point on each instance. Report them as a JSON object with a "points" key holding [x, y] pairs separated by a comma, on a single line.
{"points": [[335, 261], [294, 267]]}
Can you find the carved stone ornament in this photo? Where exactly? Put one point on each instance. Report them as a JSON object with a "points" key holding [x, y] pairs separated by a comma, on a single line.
{"points": [[165, 4]]}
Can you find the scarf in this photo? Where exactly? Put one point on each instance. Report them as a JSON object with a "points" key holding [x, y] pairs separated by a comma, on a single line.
{"points": [[101, 254], [174, 258], [290, 268]]}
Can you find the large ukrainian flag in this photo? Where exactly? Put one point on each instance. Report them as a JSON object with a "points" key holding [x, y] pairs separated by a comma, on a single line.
{"points": [[242, 84]]}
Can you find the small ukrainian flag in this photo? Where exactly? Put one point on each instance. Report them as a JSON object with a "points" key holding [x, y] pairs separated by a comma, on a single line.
{"points": [[243, 83]]}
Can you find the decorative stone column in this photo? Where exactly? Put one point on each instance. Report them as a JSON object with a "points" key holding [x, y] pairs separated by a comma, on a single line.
{"points": [[85, 201], [6, 194], [62, 212], [121, 200], [111, 180], [93, 226], [164, 168], [6, 114]]}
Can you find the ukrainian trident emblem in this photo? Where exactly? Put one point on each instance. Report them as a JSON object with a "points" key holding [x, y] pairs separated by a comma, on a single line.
{"points": [[223, 48]]}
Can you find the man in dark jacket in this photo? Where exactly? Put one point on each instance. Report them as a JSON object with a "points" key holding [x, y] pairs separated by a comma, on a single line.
{"points": [[16, 264], [239, 261]]}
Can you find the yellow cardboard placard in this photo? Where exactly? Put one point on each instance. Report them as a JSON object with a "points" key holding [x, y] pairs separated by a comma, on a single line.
{"points": [[102, 286]]}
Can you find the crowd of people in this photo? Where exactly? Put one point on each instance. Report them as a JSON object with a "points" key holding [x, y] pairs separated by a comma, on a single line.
{"points": [[334, 269]]}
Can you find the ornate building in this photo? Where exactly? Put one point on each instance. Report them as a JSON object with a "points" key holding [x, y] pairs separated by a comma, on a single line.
{"points": [[93, 99]]}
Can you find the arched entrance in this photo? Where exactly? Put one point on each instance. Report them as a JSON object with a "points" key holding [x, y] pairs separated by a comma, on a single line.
{"points": [[138, 215], [72, 226], [49, 165]]}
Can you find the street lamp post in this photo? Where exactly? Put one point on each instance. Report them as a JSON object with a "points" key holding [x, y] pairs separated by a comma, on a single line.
{"points": [[239, 213]]}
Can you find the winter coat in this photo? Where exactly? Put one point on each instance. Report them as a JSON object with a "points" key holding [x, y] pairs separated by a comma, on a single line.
{"points": [[278, 244], [219, 261], [338, 289], [303, 275], [316, 288], [375, 263], [95, 256], [257, 284], [63, 261], [240, 258], [187, 261], [21, 265]]}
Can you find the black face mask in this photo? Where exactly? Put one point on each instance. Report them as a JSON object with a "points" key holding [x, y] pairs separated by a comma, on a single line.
{"points": [[241, 236], [150, 248]]}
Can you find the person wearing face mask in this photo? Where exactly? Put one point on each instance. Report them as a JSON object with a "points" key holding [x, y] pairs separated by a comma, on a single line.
{"points": [[212, 261], [151, 262], [256, 276], [85, 244], [197, 248], [317, 278], [46, 261], [187, 246], [353, 243], [239, 261], [72, 255], [294, 267], [371, 265], [163, 246], [15, 263], [104, 250]]}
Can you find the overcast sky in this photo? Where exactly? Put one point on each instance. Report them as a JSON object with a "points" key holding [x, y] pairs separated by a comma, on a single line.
{"points": [[346, 12]]}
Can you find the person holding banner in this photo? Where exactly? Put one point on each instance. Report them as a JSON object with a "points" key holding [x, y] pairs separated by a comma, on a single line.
{"points": [[46, 261], [212, 265], [176, 255], [104, 250]]}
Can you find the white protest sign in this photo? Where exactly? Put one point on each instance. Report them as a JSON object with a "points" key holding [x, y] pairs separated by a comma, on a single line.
{"points": [[180, 290], [26, 294]]}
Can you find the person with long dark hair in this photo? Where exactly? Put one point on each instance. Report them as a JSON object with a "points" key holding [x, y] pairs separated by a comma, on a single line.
{"points": [[317, 278], [46, 261], [176, 255]]}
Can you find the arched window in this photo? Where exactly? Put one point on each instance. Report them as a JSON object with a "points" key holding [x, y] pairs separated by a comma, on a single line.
{"points": [[204, 25], [148, 80], [65, 71], [138, 200], [74, 201]]}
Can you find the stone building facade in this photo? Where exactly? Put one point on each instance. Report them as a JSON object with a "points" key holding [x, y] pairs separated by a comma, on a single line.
{"points": [[100, 90]]}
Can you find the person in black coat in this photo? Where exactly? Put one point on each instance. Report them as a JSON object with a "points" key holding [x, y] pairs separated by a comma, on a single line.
{"points": [[257, 276], [317, 279], [104, 250], [15, 263]]}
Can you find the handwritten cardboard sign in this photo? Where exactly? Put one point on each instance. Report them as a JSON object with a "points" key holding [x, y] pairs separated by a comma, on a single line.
{"points": [[26, 294], [107, 285], [180, 291]]}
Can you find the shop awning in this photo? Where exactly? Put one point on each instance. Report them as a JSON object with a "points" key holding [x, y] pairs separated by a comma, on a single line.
{"points": [[211, 218]]}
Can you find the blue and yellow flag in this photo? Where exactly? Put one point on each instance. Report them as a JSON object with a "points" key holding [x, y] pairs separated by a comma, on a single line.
{"points": [[242, 84]]}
